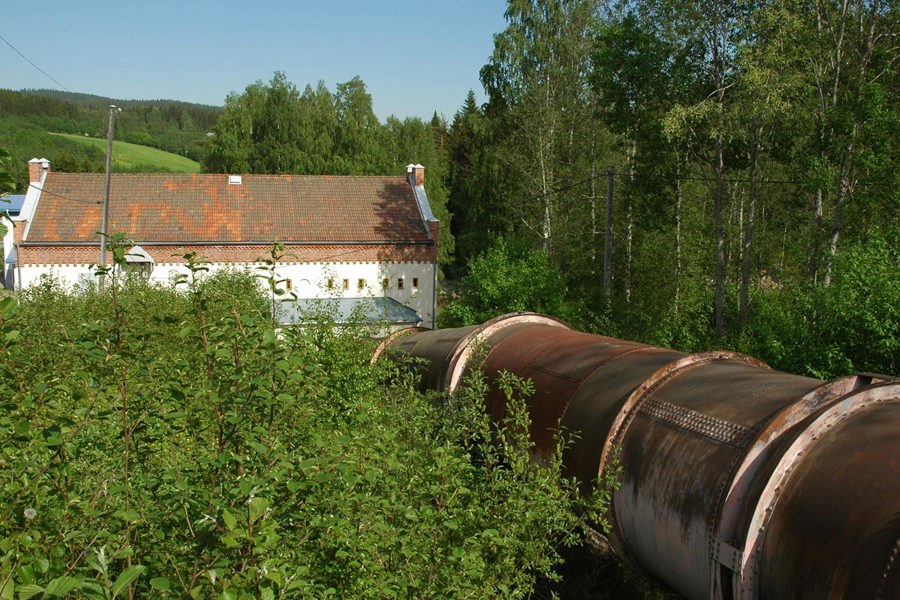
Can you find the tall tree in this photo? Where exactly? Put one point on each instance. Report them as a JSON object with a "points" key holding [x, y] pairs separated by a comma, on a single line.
{"points": [[848, 51], [713, 29], [277, 128], [637, 77], [318, 129], [358, 133], [535, 79], [231, 148], [473, 184], [766, 98], [412, 140]]}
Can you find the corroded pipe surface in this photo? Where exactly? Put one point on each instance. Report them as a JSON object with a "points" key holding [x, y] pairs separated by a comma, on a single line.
{"points": [[736, 481]]}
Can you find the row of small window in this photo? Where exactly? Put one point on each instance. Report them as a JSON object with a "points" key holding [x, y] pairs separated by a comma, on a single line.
{"points": [[361, 283]]}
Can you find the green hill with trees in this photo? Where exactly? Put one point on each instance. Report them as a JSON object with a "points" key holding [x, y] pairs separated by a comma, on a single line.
{"points": [[29, 119], [137, 158]]}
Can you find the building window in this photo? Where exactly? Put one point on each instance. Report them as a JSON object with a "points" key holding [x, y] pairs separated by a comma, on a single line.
{"points": [[288, 284], [346, 284], [385, 283], [415, 283], [399, 283], [330, 284], [360, 284]]}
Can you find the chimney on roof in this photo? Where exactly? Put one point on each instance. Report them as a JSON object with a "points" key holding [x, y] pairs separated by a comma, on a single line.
{"points": [[415, 174], [36, 169]]}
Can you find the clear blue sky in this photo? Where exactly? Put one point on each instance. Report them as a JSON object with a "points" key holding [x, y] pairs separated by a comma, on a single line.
{"points": [[415, 57]]}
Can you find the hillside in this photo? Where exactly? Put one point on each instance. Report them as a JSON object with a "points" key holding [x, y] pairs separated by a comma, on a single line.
{"points": [[94, 101], [29, 120], [134, 157]]}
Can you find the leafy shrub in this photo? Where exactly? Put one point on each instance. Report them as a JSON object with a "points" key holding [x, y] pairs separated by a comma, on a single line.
{"points": [[165, 442], [506, 279], [827, 331]]}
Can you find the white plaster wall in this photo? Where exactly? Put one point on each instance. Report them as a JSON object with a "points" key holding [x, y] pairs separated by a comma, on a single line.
{"points": [[308, 280], [67, 275], [9, 238]]}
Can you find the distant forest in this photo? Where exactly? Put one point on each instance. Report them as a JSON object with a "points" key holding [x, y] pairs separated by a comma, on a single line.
{"points": [[28, 119], [750, 152]]}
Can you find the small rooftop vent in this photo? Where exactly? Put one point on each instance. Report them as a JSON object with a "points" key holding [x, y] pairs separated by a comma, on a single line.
{"points": [[234, 180]]}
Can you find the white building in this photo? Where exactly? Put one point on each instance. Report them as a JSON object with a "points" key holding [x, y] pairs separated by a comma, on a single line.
{"points": [[343, 236]]}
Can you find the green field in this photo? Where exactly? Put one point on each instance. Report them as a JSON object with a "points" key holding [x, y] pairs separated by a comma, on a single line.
{"points": [[133, 157]]}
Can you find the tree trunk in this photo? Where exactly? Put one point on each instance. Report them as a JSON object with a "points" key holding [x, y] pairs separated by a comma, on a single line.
{"points": [[748, 236], [629, 227], [844, 193], [678, 199], [546, 231], [720, 239], [816, 226], [593, 202], [629, 234]]}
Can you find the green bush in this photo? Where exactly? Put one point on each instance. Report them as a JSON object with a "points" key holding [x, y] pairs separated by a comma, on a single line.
{"points": [[850, 325], [166, 442], [508, 278]]}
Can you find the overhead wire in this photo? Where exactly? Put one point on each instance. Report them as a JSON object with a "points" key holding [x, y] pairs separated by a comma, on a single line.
{"points": [[70, 199], [30, 62], [621, 177]]}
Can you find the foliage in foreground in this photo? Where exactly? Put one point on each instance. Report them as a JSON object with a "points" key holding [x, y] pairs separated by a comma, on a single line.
{"points": [[159, 442]]}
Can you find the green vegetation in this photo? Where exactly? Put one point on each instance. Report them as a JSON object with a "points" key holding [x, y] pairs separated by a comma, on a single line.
{"points": [[751, 149], [273, 128], [754, 156], [166, 442], [6, 181], [505, 280], [753, 153], [136, 158], [26, 141], [29, 119]]}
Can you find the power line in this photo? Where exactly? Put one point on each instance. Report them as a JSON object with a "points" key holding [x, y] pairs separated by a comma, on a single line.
{"points": [[70, 199], [625, 178], [30, 62], [875, 183]]}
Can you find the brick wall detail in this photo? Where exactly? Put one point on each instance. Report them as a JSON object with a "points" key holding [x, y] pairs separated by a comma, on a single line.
{"points": [[86, 255]]}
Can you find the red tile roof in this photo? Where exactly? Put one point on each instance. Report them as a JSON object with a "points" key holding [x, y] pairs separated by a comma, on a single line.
{"points": [[177, 208]]}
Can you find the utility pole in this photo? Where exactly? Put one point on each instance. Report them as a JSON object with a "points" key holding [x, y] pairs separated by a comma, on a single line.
{"points": [[113, 109], [607, 253]]}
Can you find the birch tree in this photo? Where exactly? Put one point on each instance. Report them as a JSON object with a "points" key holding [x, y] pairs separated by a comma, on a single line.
{"points": [[712, 29], [535, 79]]}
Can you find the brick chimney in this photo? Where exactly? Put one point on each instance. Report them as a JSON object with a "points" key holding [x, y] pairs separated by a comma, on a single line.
{"points": [[36, 169], [415, 174]]}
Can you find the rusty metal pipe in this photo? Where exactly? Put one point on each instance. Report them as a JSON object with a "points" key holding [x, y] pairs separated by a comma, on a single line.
{"points": [[736, 481]]}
